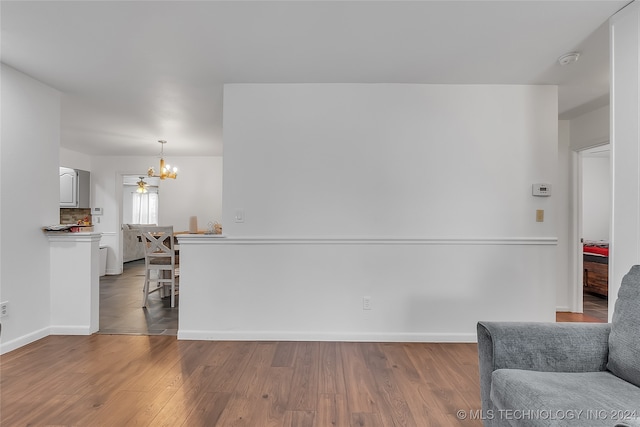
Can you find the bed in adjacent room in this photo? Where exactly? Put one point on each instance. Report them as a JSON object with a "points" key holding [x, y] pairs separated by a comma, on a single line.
{"points": [[596, 267]]}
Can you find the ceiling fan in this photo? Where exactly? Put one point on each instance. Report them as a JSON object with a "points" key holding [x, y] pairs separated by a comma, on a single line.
{"points": [[142, 186]]}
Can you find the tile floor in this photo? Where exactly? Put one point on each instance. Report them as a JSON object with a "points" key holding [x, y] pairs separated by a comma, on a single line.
{"points": [[121, 309]]}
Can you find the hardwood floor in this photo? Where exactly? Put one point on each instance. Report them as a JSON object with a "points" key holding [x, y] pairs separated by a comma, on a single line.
{"points": [[563, 316], [121, 309], [125, 380], [596, 306], [156, 380], [595, 310]]}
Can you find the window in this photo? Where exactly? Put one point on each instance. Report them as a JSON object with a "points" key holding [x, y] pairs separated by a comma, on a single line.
{"points": [[145, 208]]}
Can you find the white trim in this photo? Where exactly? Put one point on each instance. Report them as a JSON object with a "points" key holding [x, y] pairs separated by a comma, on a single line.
{"points": [[575, 244], [16, 343], [70, 330], [204, 239], [563, 309], [73, 237], [108, 233], [326, 336]]}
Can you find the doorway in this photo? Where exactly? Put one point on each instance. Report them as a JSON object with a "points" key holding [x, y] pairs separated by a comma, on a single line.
{"points": [[121, 310], [595, 212]]}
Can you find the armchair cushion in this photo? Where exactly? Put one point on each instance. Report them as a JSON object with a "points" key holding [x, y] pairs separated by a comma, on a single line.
{"points": [[624, 341], [549, 398]]}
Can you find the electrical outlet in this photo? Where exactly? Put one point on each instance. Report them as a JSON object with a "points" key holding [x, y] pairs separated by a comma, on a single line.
{"points": [[366, 303], [4, 309]]}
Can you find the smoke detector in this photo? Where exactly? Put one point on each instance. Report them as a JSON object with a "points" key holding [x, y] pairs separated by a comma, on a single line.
{"points": [[568, 58]]}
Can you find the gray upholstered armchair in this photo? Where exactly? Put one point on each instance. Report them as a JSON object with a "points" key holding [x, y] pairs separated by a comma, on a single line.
{"points": [[564, 374]]}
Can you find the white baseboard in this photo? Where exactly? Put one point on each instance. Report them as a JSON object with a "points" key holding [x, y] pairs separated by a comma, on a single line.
{"points": [[70, 330], [563, 309], [14, 344], [322, 336]]}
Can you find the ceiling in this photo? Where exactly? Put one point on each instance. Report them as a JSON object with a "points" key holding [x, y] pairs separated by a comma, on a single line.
{"points": [[134, 72]]}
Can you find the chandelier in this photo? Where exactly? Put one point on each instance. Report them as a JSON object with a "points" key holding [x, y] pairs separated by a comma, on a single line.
{"points": [[165, 169], [142, 186]]}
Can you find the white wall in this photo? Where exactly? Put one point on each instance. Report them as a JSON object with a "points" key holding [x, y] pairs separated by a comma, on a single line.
{"points": [[313, 289], [74, 283], [416, 195], [590, 129], [625, 145], [596, 197], [78, 160], [388, 160], [30, 191]]}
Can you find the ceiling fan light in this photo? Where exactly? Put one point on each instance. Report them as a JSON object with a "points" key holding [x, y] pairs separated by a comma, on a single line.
{"points": [[142, 186]]}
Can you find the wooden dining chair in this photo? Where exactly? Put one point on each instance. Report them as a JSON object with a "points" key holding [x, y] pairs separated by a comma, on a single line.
{"points": [[160, 257]]}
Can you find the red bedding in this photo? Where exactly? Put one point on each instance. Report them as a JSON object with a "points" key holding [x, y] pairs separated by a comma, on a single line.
{"points": [[596, 250]]}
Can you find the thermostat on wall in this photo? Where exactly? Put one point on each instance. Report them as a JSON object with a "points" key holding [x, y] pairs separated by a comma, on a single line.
{"points": [[96, 211], [541, 190]]}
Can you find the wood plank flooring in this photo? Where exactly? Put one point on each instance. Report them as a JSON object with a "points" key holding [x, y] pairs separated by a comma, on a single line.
{"points": [[127, 380], [563, 316], [596, 306], [121, 309], [595, 310], [132, 380]]}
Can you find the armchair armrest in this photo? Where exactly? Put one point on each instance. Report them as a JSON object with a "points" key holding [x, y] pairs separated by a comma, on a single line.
{"points": [[550, 347]]}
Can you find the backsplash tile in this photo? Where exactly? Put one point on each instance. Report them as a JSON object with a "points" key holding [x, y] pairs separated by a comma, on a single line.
{"points": [[73, 215]]}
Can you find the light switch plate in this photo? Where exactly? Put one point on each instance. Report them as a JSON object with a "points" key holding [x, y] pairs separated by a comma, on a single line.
{"points": [[239, 215]]}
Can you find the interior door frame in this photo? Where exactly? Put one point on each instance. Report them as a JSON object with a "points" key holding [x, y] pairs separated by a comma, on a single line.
{"points": [[576, 233], [576, 301]]}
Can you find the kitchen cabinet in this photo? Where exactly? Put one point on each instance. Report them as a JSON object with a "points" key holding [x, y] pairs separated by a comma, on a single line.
{"points": [[74, 188], [68, 188]]}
